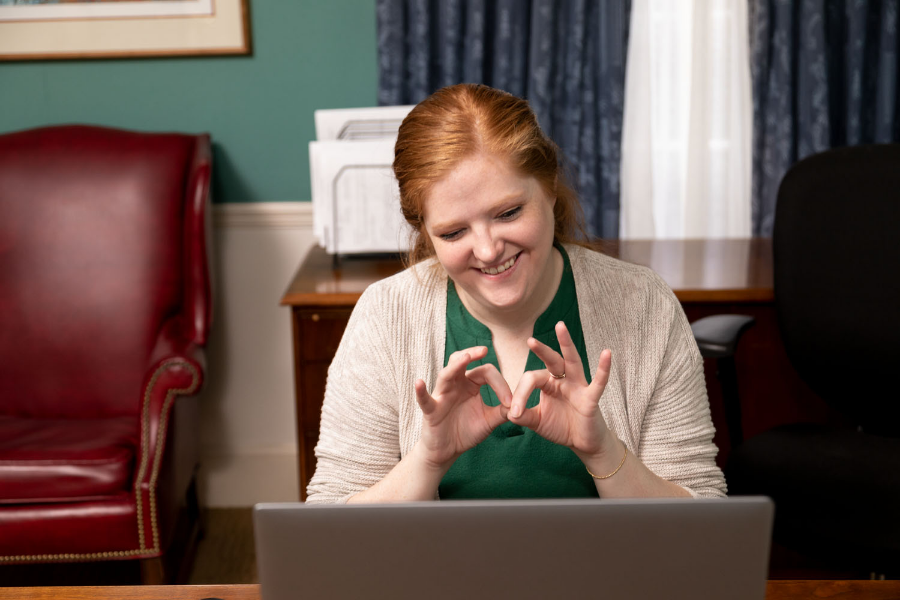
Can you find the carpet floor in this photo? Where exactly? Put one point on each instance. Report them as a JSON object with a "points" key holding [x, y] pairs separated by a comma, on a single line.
{"points": [[225, 554]]}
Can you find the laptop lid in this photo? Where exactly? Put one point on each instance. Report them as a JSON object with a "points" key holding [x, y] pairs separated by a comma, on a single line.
{"points": [[487, 550]]}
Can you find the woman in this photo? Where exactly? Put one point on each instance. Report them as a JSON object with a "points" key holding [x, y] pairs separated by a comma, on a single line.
{"points": [[469, 374]]}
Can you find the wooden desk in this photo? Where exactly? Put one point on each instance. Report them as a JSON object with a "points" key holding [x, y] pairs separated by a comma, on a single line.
{"points": [[136, 592], [698, 271], [708, 277], [775, 590]]}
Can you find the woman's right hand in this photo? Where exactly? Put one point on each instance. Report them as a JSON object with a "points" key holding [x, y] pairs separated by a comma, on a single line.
{"points": [[455, 416]]}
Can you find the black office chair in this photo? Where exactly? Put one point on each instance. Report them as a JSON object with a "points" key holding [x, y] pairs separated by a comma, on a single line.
{"points": [[837, 298]]}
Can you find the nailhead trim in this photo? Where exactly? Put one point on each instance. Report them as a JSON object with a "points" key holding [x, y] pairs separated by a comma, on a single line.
{"points": [[160, 439], [91, 556], [160, 442]]}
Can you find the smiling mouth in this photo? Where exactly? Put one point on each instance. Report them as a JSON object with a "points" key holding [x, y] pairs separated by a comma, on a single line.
{"points": [[499, 269]]}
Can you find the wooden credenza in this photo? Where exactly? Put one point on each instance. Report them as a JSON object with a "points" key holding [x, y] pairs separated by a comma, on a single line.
{"points": [[708, 277]]}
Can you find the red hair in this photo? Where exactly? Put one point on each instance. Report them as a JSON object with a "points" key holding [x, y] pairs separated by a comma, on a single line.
{"points": [[462, 120]]}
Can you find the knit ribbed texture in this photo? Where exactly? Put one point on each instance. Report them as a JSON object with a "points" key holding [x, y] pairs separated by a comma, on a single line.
{"points": [[655, 401]]}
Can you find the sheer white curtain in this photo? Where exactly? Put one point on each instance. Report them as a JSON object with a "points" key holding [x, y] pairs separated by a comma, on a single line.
{"points": [[686, 135]]}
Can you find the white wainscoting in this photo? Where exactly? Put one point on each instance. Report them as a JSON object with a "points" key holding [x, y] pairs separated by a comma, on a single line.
{"points": [[247, 437]]}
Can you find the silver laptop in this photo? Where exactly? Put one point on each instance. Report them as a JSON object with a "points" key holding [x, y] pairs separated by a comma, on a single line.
{"points": [[521, 549]]}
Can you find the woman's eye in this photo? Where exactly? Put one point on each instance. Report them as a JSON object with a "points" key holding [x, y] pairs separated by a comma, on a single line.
{"points": [[511, 214], [449, 237]]}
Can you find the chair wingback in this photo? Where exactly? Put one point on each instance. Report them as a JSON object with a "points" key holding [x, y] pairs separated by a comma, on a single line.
{"points": [[93, 259], [837, 278]]}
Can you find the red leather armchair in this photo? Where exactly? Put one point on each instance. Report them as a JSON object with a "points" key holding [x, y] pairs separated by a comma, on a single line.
{"points": [[104, 314]]}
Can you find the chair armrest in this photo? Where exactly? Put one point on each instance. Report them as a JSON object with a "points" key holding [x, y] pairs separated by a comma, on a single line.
{"points": [[718, 335], [175, 368]]}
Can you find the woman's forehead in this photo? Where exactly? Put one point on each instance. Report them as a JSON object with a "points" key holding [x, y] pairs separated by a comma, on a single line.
{"points": [[477, 181]]}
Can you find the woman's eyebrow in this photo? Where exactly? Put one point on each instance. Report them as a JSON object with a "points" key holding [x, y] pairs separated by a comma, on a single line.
{"points": [[446, 226], [513, 198]]}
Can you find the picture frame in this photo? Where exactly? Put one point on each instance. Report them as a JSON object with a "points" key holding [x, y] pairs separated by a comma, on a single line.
{"points": [[84, 29]]}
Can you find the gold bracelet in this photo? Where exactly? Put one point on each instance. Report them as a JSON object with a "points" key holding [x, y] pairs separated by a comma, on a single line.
{"points": [[614, 472]]}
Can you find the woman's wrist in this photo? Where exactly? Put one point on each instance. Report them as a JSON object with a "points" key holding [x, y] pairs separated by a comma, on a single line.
{"points": [[414, 478], [433, 465], [607, 459]]}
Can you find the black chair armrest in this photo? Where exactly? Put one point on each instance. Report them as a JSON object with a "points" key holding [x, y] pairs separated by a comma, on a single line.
{"points": [[718, 335]]}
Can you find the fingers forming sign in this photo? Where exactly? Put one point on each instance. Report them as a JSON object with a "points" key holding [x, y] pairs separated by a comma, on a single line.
{"points": [[455, 417], [568, 412]]}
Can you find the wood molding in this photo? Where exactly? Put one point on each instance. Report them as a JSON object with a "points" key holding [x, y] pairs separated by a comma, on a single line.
{"points": [[266, 215]]}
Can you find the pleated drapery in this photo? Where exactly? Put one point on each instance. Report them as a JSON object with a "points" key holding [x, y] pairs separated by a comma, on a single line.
{"points": [[824, 75], [566, 57]]}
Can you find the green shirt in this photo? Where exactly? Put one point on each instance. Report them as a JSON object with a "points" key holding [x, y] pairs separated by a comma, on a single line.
{"points": [[515, 462]]}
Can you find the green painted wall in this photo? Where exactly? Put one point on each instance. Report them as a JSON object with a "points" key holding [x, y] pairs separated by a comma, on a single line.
{"points": [[307, 54]]}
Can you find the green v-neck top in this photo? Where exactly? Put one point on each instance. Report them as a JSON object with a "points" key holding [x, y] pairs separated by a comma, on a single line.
{"points": [[515, 462]]}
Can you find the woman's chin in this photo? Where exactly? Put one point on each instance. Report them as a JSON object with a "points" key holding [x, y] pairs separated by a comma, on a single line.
{"points": [[500, 303]]}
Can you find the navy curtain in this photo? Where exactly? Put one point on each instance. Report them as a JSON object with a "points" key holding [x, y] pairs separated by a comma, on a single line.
{"points": [[566, 57], [824, 75]]}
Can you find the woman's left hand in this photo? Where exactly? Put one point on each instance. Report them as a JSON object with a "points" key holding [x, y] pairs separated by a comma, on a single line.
{"points": [[568, 413]]}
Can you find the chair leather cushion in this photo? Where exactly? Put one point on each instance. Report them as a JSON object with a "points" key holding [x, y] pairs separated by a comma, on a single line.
{"points": [[835, 490], [61, 460], [33, 532]]}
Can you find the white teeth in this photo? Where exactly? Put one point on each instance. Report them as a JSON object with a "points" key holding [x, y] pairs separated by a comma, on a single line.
{"points": [[501, 268]]}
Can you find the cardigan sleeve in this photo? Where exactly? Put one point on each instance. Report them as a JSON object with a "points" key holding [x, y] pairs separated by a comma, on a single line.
{"points": [[677, 430], [358, 437]]}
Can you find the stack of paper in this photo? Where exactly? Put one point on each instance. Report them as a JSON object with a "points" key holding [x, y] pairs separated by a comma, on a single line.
{"points": [[356, 201]]}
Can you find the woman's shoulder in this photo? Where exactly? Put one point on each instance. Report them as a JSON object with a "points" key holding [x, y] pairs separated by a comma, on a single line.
{"points": [[412, 289], [397, 314], [599, 272]]}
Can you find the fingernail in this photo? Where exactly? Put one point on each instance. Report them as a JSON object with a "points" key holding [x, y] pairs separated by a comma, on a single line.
{"points": [[516, 412]]}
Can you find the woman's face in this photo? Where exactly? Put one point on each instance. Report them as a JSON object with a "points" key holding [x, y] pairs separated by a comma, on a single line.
{"points": [[492, 230]]}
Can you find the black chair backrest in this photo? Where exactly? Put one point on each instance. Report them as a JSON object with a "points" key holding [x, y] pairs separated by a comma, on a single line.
{"points": [[837, 279]]}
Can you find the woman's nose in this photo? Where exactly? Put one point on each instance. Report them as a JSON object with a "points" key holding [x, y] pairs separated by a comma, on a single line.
{"points": [[488, 247]]}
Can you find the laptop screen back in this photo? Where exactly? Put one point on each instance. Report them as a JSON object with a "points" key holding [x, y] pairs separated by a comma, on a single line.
{"points": [[487, 550]]}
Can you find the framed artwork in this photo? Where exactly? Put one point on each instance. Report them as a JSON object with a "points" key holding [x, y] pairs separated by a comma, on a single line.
{"points": [[59, 29]]}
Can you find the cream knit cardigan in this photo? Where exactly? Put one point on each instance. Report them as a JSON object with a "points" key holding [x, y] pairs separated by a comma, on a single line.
{"points": [[655, 401]]}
